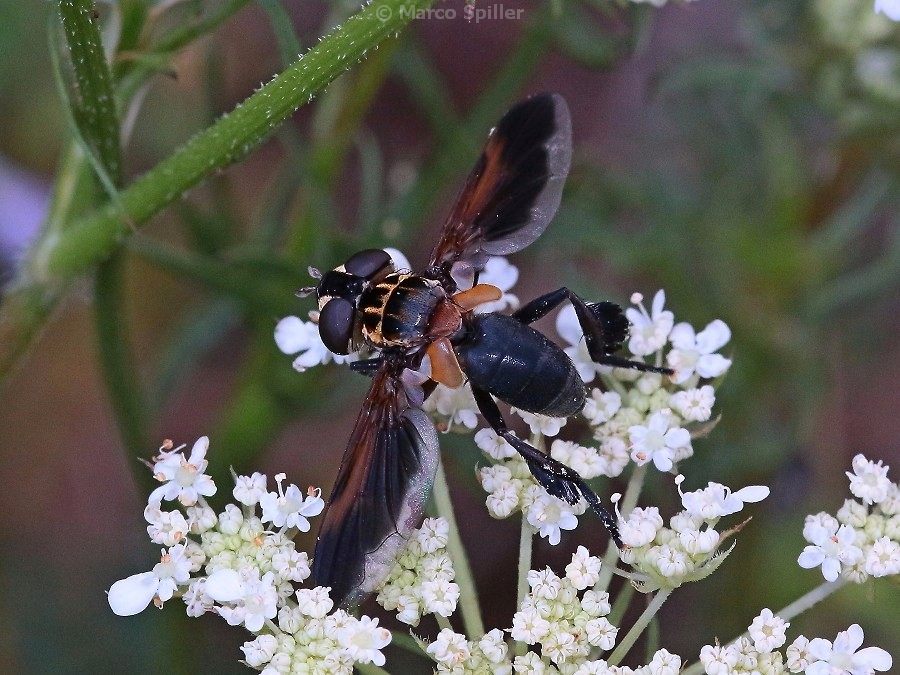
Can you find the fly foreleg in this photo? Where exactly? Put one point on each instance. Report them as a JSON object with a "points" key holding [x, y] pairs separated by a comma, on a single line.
{"points": [[554, 476]]}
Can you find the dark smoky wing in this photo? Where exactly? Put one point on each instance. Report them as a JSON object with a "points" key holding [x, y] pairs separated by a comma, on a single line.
{"points": [[514, 190], [380, 494]]}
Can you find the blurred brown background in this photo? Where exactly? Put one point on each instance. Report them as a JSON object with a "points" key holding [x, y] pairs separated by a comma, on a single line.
{"points": [[738, 155]]}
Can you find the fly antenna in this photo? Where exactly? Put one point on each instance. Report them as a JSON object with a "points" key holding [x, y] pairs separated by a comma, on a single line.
{"points": [[305, 291]]}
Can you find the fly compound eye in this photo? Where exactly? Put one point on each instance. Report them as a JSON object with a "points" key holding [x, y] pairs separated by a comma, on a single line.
{"points": [[368, 263], [336, 324]]}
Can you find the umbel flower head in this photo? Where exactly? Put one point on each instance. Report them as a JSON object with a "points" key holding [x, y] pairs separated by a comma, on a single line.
{"points": [[241, 564], [758, 653], [863, 539]]}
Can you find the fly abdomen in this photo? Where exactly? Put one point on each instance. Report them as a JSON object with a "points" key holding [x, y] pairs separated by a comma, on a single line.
{"points": [[396, 311], [520, 366]]}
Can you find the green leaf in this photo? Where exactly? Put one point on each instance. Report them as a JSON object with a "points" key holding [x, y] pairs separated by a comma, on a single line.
{"points": [[265, 289], [579, 38], [199, 333], [288, 42], [116, 363]]}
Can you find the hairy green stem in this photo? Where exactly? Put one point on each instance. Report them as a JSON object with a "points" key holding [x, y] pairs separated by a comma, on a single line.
{"points": [[468, 596], [632, 635], [94, 108], [796, 608]]}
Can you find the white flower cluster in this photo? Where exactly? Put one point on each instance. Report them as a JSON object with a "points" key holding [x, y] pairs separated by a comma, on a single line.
{"points": [[422, 580], [455, 654], [645, 416], [565, 616], [242, 565], [756, 652], [864, 539], [687, 550], [638, 417]]}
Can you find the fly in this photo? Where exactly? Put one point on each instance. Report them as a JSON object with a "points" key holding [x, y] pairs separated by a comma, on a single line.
{"points": [[388, 468]]}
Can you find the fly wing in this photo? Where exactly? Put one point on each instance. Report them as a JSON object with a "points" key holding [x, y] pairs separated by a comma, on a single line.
{"points": [[514, 190], [386, 474]]}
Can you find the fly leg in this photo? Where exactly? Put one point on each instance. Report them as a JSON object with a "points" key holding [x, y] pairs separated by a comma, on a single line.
{"points": [[604, 326], [367, 367], [554, 476]]}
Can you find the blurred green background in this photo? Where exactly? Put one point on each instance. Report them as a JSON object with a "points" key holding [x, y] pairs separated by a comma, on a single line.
{"points": [[743, 156]]}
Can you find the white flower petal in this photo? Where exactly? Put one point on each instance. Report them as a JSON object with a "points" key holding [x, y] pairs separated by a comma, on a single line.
{"points": [[831, 569], [682, 336], [890, 8], [662, 461], [659, 301], [712, 338], [752, 493], [292, 334], [812, 556], [131, 596], [849, 640], [712, 365], [224, 586], [500, 273], [819, 649], [874, 657], [818, 668], [567, 325], [198, 451]]}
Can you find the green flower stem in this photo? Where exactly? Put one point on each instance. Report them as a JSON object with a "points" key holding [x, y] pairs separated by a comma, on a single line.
{"points": [[809, 600], [468, 596], [116, 361], [620, 606], [95, 109], [652, 639], [629, 501], [796, 608], [633, 491], [57, 259], [643, 621], [526, 544], [405, 642]]}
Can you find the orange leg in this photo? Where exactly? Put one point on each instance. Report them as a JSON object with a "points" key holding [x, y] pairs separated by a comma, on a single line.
{"points": [[444, 366], [477, 295]]}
